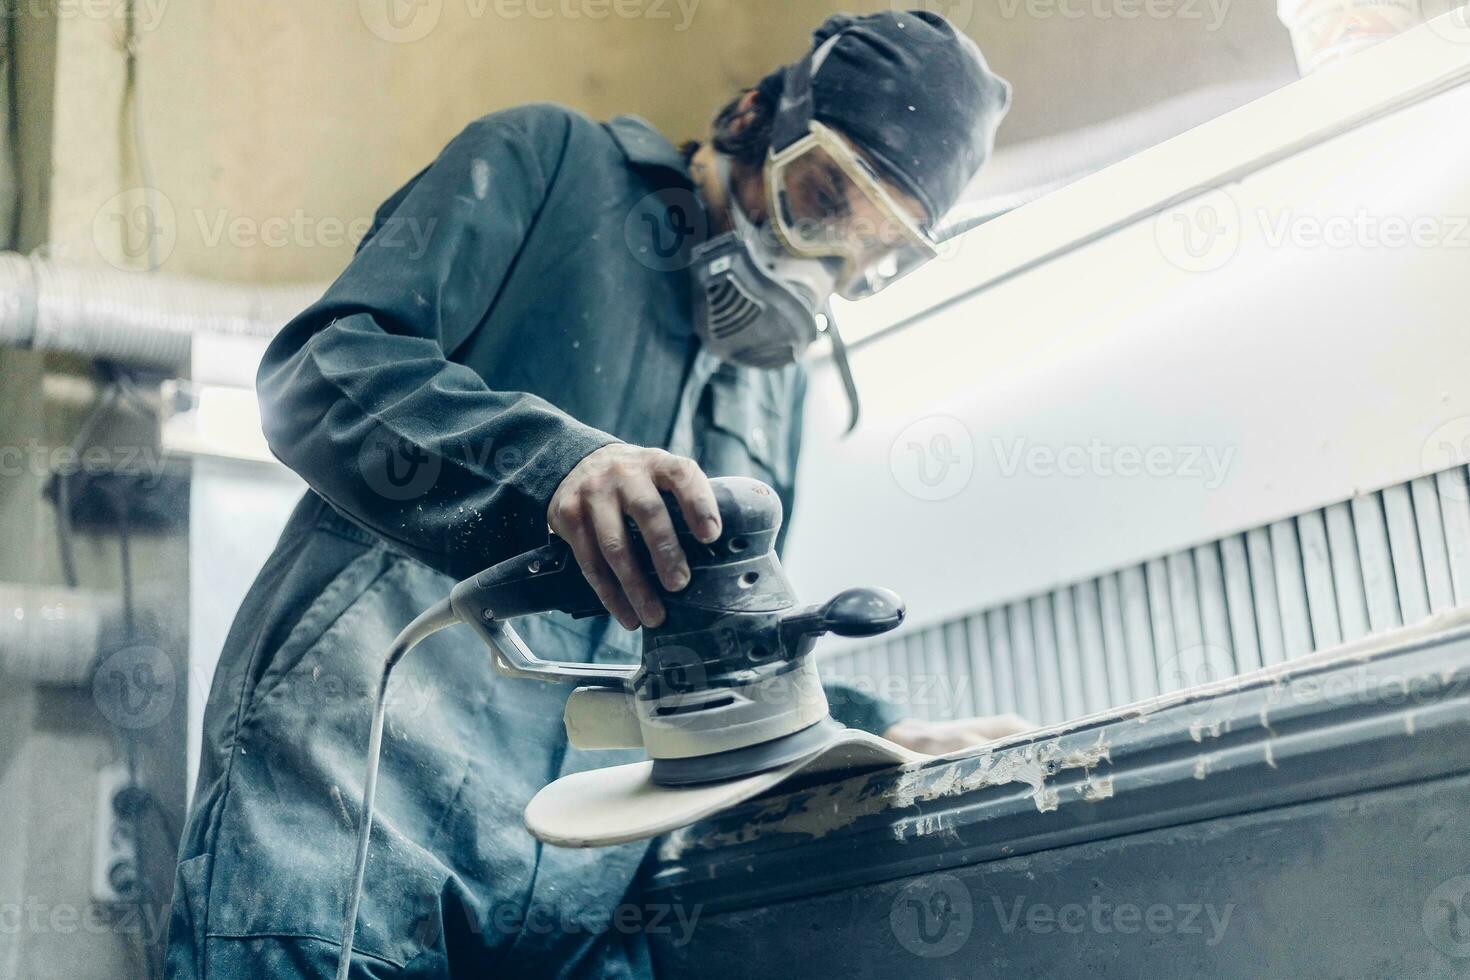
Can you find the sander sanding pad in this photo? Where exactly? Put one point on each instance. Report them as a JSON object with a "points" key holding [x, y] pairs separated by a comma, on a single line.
{"points": [[618, 804]]}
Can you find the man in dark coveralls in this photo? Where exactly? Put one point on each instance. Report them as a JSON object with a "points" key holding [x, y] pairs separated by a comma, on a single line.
{"points": [[558, 356]]}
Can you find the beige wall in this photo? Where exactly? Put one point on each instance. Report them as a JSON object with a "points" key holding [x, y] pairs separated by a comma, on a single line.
{"points": [[300, 113], [299, 117]]}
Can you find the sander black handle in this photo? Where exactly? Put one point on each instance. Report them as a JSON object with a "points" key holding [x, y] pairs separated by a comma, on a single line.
{"points": [[544, 580]]}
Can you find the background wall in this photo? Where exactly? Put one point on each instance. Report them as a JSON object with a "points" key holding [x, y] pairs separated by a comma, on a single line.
{"points": [[311, 114], [270, 131]]}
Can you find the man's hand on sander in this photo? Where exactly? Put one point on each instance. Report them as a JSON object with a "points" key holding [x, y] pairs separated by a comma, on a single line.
{"points": [[588, 511]]}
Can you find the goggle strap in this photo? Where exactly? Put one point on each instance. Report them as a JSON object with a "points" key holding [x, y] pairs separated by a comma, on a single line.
{"points": [[796, 110]]}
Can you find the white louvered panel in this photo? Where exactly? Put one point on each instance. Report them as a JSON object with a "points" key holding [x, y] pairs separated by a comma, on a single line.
{"points": [[1161, 623], [1317, 572], [920, 674], [1432, 545], [962, 673], [839, 668], [1454, 511], [1218, 651], [1240, 603], [867, 670], [892, 661], [1091, 648], [903, 677], [896, 673], [1023, 660], [1187, 667], [1408, 566], [899, 670], [847, 669], [1374, 556], [977, 639], [1291, 589], [959, 684], [1347, 572], [927, 665], [884, 669], [1115, 641], [998, 633], [1048, 677], [1138, 630], [870, 663], [1252, 599], [1264, 592], [1069, 653]]}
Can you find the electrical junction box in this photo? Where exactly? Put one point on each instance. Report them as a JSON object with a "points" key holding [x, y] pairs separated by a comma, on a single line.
{"points": [[114, 849]]}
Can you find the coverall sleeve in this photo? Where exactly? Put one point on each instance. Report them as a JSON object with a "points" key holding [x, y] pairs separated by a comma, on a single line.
{"points": [[849, 703], [360, 394]]}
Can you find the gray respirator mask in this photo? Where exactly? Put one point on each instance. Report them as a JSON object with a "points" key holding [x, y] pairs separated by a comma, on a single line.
{"points": [[756, 305]]}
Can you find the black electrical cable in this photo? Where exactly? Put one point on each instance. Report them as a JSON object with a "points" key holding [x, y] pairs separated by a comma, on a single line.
{"points": [[165, 819], [143, 900], [63, 482], [125, 558], [132, 110], [118, 385], [129, 387], [135, 797]]}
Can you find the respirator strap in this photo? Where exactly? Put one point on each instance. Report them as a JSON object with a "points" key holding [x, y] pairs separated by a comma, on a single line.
{"points": [[844, 370]]}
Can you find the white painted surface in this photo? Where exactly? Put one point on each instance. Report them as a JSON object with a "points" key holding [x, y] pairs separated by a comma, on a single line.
{"points": [[239, 500], [236, 512], [1307, 372]]}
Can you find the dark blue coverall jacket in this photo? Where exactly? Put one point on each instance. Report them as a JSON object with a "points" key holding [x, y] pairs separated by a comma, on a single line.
{"points": [[520, 303]]}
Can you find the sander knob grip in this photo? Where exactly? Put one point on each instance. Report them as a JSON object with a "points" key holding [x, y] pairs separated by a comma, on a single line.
{"points": [[851, 612]]}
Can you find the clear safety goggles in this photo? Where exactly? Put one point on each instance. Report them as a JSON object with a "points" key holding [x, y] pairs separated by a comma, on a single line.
{"points": [[827, 203]]}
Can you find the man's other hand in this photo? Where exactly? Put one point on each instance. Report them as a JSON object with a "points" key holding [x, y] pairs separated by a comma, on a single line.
{"points": [[588, 510], [943, 737]]}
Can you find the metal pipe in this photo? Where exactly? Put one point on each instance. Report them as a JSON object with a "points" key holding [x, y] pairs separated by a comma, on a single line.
{"points": [[129, 317], [50, 635]]}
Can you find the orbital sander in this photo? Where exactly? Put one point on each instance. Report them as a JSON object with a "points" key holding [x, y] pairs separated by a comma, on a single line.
{"points": [[726, 700]]}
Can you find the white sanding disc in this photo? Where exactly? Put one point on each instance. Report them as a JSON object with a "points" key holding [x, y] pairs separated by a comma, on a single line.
{"points": [[622, 803]]}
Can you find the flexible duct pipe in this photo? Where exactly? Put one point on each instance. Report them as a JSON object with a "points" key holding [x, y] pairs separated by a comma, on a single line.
{"points": [[131, 317], [50, 635]]}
